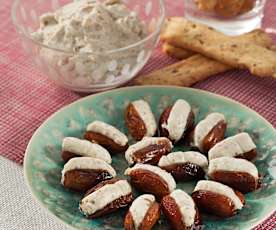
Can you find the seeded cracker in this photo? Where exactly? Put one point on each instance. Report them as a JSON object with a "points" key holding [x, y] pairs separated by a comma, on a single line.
{"points": [[238, 53]]}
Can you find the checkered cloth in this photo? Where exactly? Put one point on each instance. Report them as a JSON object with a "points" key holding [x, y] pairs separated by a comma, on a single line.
{"points": [[27, 97]]}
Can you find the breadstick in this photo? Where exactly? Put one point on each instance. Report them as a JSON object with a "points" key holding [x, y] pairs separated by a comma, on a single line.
{"points": [[241, 53], [184, 73], [256, 36], [197, 67], [175, 52]]}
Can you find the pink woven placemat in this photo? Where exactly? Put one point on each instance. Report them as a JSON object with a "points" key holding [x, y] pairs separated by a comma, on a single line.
{"points": [[27, 97]]}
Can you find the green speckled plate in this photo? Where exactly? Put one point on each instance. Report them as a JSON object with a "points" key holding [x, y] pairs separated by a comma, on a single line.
{"points": [[43, 163]]}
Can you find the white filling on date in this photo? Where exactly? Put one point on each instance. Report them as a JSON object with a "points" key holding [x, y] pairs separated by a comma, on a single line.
{"points": [[105, 195], [216, 187], [165, 176], [204, 127], [232, 165], [85, 148], [87, 163], [177, 120], [140, 207], [186, 206], [232, 146], [146, 141], [109, 131], [145, 113], [182, 158]]}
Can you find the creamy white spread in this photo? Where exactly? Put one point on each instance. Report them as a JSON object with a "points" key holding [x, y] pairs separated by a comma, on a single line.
{"points": [[204, 127], [109, 131], [87, 163], [146, 141], [186, 206], [216, 187], [177, 120], [140, 207], [182, 158], [85, 148], [145, 113], [166, 177], [233, 165], [84, 29], [105, 195], [232, 146]]}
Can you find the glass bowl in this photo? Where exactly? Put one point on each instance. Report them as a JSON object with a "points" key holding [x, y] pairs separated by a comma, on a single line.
{"points": [[117, 66], [249, 17], [232, 20]]}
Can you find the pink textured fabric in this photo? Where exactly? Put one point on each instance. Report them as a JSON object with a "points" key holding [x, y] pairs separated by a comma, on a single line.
{"points": [[27, 97]]}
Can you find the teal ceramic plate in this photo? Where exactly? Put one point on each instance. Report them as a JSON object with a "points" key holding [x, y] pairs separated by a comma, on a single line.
{"points": [[43, 163]]}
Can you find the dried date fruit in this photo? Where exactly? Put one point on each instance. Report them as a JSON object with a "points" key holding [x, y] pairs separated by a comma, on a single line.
{"points": [[151, 179], [107, 136], [239, 174], [81, 173], [149, 150], [208, 132], [106, 197], [176, 120], [180, 210], [143, 213], [140, 120], [218, 199], [185, 166], [239, 146], [74, 147]]}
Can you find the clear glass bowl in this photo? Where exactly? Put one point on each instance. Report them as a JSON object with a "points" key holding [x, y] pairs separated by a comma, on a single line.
{"points": [[119, 66], [249, 15]]}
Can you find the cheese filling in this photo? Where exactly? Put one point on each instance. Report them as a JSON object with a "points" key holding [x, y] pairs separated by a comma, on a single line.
{"points": [[140, 207], [233, 165], [142, 144], [167, 177], [108, 131], [232, 146], [182, 158], [86, 30], [178, 119], [105, 195], [85, 148], [205, 126], [221, 189], [144, 111], [186, 206], [87, 163]]}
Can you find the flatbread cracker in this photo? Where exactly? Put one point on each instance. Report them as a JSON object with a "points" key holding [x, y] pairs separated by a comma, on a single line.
{"points": [[183, 73], [256, 36], [176, 52], [239, 53]]}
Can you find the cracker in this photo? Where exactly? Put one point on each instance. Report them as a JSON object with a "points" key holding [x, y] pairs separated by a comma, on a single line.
{"points": [[175, 52], [183, 73], [247, 52], [258, 36]]}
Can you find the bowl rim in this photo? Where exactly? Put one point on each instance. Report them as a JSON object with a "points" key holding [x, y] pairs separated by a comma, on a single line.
{"points": [[133, 45]]}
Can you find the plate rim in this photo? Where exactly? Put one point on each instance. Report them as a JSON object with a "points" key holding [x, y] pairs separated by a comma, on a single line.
{"points": [[26, 153]]}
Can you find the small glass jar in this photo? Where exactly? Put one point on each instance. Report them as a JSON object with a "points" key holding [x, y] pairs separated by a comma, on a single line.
{"points": [[232, 17]]}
